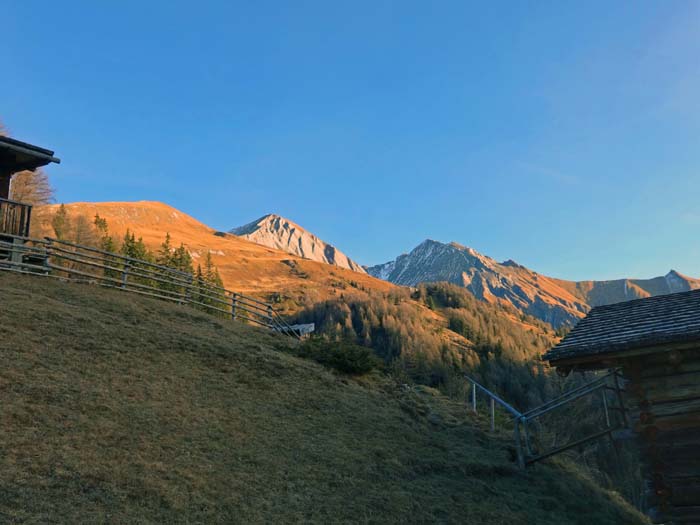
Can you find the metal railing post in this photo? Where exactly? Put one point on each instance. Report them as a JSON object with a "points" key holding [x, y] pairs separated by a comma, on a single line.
{"points": [[605, 407], [518, 444], [526, 435], [620, 399]]}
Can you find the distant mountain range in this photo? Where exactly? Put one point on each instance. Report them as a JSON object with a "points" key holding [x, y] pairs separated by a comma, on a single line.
{"points": [[277, 232], [556, 301], [255, 258]]}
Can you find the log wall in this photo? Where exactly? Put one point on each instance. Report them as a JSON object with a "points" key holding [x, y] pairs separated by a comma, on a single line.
{"points": [[666, 389]]}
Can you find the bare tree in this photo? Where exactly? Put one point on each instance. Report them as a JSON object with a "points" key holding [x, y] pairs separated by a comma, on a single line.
{"points": [[32, 187]]}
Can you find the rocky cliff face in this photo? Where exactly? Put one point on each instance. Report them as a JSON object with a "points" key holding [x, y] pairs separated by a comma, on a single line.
{"points": [[280, 233], [555, 301]]}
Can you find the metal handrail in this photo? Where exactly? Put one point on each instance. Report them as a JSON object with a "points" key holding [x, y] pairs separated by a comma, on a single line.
{"points": [[523, 419], [567, 397], [493, 396]]}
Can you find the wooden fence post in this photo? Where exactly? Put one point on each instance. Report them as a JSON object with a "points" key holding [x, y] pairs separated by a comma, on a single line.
{"points": [[493, 415], [188, 290], [269, 315], [474, 397], [234, 299], [125, 274]]}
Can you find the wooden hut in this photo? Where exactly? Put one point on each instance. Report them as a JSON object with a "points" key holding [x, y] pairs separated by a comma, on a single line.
{"points": [[16, 156], [656, 343]]}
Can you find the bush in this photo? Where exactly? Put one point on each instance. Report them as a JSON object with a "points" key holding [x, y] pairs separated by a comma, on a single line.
{"points": [[343, 356]]}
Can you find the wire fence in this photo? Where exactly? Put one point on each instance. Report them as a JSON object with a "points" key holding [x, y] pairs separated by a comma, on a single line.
{"points": [[74, 262]]}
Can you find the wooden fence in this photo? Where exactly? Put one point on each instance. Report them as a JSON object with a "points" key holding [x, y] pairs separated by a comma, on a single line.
{"points": [[74, 262]]}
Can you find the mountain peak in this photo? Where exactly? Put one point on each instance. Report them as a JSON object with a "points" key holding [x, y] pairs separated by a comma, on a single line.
{"points": [[278, 232]]}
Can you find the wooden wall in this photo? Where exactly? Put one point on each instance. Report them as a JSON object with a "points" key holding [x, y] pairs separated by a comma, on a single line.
{"points": [[666, 389]]}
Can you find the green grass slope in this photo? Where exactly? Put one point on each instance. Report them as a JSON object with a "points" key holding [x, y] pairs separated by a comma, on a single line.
{"points": [[121, 409]]}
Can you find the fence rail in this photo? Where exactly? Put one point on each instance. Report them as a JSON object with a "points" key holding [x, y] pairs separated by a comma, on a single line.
{"points": [[70, 261], [523, 422]]}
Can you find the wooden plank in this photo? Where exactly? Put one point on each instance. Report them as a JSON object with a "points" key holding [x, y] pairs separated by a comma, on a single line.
{"points": [[683, 385]]}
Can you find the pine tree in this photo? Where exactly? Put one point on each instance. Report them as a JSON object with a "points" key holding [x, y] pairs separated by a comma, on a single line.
{"points": [[106, 241], [164, 257], [61, 223], [128, 244], [107, 244], [211, 273], [182, 260]]}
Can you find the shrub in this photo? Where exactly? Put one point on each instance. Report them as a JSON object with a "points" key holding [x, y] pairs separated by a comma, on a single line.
{"points": [[343, 356]]}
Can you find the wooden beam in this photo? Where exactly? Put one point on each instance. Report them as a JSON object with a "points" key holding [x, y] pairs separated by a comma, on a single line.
{"points": [[618, 358]]}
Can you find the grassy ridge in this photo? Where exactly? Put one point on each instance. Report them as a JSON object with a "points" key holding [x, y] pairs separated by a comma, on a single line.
{"points": [[122, 409]]}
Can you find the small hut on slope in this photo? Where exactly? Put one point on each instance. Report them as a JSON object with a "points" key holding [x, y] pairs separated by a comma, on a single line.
{"points": [[656, 343], [16, 156]]}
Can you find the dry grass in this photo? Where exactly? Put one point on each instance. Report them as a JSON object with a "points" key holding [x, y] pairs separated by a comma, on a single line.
{"points": [[120, 409]]}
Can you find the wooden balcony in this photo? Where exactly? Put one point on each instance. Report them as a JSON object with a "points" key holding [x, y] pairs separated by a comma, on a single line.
{"points": [[14, 218]]}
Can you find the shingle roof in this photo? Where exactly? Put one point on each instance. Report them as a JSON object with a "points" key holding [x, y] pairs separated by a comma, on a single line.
{"points": [[672, 318], [20, 156]]}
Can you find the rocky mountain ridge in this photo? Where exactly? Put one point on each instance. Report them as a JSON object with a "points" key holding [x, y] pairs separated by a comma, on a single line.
{"points": [[277, 232], [556, 301]]}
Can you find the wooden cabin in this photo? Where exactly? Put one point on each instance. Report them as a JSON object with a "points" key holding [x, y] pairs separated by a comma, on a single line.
{"points": [[656, 343], [16, 156]]}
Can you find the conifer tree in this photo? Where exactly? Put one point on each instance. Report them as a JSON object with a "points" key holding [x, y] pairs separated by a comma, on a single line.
{"points": [[106, 241], [182, 260], [164, 257], [211, 273], [61, 223], [107, 244]]}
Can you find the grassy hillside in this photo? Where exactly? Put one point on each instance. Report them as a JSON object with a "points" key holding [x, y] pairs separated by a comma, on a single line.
{"points": [[120, 409]]}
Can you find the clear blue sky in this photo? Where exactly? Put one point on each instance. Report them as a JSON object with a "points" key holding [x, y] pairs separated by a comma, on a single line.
{"points": [[562, 134]]}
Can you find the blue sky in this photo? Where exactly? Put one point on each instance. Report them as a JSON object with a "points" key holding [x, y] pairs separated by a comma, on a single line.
{"points": [[564, 135]]}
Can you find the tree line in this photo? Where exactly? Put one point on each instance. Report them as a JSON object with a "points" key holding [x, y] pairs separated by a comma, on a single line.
{"points": [[201, 283]]}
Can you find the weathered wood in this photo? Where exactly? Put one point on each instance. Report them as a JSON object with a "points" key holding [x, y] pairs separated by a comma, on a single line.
{"points": [[5, 177]]}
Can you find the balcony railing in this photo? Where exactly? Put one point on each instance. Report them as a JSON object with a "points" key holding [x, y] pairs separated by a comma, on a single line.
{"points": [[14, 218]]}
